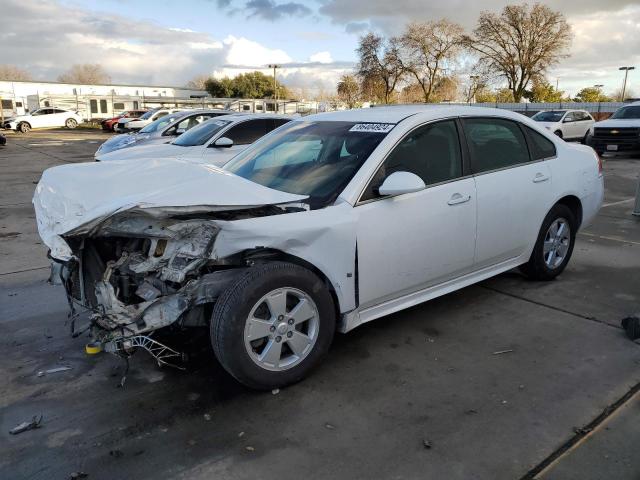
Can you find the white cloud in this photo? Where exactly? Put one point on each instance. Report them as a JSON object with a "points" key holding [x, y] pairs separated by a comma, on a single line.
{"points": [[244, 52], [321, 57]]}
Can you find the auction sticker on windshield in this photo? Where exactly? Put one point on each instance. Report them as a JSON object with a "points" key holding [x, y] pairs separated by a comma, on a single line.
{"points": [[372, 127]]}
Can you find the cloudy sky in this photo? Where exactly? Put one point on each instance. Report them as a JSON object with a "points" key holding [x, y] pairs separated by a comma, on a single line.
{"points": [[168, 42]]}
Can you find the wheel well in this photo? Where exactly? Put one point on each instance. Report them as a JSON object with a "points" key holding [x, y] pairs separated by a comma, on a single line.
{"points": [[272, 254], [574, 204]]}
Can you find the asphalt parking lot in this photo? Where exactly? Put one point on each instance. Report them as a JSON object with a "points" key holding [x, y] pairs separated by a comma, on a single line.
{"points": [[508, 379]]}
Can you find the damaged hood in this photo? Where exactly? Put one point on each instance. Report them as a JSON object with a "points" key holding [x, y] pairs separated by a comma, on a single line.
{"points": [[78, 197]]}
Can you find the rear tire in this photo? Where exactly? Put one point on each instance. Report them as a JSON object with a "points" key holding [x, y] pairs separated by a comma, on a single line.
{"points": [[71, 123], [24, 127], [258, 335], [554, 245]]}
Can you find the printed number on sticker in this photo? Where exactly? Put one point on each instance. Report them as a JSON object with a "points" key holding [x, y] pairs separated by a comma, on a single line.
{"points": [[372, 127]]}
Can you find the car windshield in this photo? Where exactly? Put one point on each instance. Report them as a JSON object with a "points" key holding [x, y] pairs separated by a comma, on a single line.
{"points": [[627, 112], [317, 159], [161, 122], [551, 116], [200, 134]]}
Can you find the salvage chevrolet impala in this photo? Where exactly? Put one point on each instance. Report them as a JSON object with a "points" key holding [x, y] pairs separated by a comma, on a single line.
{"points": [[330, 221]]}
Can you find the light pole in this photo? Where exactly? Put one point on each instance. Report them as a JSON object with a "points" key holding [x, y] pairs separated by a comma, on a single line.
{"points": [[624, 85], [474, 83], [275, 85]]}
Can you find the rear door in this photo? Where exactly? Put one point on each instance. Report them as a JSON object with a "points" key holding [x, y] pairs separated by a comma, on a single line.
{"points": [[513, 189]]}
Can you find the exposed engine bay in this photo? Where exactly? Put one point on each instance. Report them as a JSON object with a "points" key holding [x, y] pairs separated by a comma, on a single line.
{"points": [[133, 285]]}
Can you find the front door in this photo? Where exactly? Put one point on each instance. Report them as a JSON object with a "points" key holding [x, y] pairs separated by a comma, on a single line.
{"points": [[416, 240]]}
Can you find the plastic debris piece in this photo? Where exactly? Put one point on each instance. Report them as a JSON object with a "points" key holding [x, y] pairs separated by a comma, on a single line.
{"points": [[24, 426], [249, 448], [500, 352], [54, 370], [207, 417], [328, 426], [241, 434], [275, 391]]}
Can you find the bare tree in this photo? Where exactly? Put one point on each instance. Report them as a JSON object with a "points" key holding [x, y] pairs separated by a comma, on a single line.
{"points": [[87, 73], [428, 49], [348, 90], [520, 43], [380, 62], [198, 82], [13, 73]]}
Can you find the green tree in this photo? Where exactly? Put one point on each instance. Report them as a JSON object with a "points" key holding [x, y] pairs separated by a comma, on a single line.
{"points": [[222, 88], [592, 94], [348, 90], [484, 95], [504, 95], [542, 91]]}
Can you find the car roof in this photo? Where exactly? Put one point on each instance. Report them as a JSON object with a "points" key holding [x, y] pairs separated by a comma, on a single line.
{"points": [[249, 116], [395, 114]]}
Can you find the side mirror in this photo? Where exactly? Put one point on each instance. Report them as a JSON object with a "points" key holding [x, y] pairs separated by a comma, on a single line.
{"points": [[401, 182], [223, 142]]}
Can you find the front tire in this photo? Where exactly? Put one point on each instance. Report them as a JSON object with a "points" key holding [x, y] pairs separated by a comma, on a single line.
{"points": [[71, 123], [273, 325], [24, 127], [559, 133], [554, 245]]}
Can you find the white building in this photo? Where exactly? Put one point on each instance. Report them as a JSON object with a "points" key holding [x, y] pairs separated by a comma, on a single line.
{"points": [[95, 102]]}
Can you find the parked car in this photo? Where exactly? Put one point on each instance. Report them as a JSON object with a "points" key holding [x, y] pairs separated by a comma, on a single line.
{"points": [[110, 124], [620, 133], [329, 222], [134, 124], [43, 117], [215, 141], [566, 124], [163, 130]]}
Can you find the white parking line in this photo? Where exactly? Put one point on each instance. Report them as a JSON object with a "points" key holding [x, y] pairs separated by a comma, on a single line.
{"points": [[609, 238], [618, 202]]}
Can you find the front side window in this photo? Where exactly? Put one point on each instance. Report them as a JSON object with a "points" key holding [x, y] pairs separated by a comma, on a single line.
{"points": [[160, 123], [432, 152], [200, 134], [317, 159], [247, 132], [495, 143], [541, 147]]}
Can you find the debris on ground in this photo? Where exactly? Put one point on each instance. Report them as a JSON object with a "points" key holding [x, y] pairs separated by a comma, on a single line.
{"points": [[249, 448], [471, 411], [116, 453], [78, 475], [426, 444], [500, 352], [582, 430], [631, 325], [241, 434], [207, 417], [275, 391], [42, 373], [328, 426], [24, 426]]}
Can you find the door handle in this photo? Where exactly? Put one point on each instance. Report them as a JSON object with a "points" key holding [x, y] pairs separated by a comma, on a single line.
{"points": [[540, 177], [457, 198]]}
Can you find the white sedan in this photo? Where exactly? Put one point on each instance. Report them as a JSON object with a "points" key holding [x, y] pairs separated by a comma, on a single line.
{"points": [[43, 118], [566, 124], [329, 222], [214, 141]]}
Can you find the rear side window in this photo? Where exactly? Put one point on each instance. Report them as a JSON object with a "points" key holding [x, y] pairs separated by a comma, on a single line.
{"points": [[541, 147], [495, 143], [248, 132]]}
